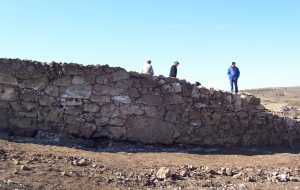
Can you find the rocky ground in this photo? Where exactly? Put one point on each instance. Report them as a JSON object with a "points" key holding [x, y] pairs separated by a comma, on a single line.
{"points": [[50, 161]]}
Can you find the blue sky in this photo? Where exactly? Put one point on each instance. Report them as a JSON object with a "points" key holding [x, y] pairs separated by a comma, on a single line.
{"points": [[205, 36]]}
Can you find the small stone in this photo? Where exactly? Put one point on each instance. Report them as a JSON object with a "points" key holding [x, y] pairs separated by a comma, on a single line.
{"points": [[229, 172], [238, 176], [16, 162], [294, 179], [222, 171], [64, 174], [109, 180], [163, 173], [82, 162], [250, 179], [184, 173], [25, 168], [16, 172]]}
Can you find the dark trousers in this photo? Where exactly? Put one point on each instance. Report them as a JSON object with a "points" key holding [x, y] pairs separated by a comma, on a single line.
{"points": [[234, 83]]}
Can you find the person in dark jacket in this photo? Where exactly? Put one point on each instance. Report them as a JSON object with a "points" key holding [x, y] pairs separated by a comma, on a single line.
{"points": [[233, 74], [173, 70]]}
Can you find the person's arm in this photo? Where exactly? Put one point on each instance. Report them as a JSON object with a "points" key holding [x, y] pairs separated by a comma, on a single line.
{"points": [[229, 73], [238, 73]]}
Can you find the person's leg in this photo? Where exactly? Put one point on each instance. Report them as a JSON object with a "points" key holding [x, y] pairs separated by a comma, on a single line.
{"points": [[236, 86], [231, 85]]}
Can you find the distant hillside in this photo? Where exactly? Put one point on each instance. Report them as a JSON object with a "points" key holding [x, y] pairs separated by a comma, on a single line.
{"points": [[284, 100]]}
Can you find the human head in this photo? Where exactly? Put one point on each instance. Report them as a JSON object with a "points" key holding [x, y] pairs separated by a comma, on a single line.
{"points": [[176, 63], [233, 64], [149, 61]]}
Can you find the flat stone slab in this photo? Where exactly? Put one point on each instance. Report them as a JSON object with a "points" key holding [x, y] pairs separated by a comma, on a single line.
{"points": [[78, 91]]}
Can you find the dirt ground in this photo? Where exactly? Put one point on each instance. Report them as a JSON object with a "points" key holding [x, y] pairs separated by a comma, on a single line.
{"points": [[51, 161], [28, 164]]}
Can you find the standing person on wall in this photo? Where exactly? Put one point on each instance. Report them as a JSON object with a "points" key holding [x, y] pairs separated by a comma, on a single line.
{"points": [[147, 68], [173, 70], [233, 74]]}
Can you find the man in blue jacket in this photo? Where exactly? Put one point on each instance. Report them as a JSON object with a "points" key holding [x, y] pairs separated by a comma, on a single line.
{"points": [[233, 74]]}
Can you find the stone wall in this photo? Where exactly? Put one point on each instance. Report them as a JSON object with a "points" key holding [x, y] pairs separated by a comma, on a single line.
{"points": [[104, 102]]}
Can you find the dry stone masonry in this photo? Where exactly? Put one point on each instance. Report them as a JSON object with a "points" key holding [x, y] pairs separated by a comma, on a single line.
{"points": [[104, 102]]}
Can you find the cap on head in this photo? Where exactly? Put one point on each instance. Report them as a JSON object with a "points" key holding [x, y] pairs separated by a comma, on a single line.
{"points": [[149, 61], [176, 62]]}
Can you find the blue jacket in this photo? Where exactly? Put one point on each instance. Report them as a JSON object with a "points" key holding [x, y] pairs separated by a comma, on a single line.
{"points": [[233, 73]]}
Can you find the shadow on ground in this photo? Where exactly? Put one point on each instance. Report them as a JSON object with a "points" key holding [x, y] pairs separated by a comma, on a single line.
{"points": [[111, 146]]}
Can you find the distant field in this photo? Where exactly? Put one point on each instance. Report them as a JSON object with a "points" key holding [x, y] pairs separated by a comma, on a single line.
{"points": [[284, 99]]}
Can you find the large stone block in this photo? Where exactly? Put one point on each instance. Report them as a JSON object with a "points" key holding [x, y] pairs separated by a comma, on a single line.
{"points": [[78, 79], [63, 81], [27, 114], [102, 79], [8, 93], [70, 102], [24, 123], [107, 90], [89, 117], [129, 110], [3, 114], [72, 110], [120, 75], [117, 132], [8, 80], [173, 99], [148, 83], [133, 92], [4, 104], [166, 89], [195, 92], [29, 70], [5, 69], [122, 99], [55, 115], [72, 69], [92, 107], [36, 84], [46, 100], [102, 121], [107, 110], [151, 100], [117, 122], [78, 91], [148, 130], [73, 119], [176, 87], [101, 132], [153, 112], [171, 116], [52, 90], [87, 129], [212, 118], [89, 78]]}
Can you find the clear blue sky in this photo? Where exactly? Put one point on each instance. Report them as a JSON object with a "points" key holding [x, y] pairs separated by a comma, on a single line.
{"points": [[205, 36]]}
